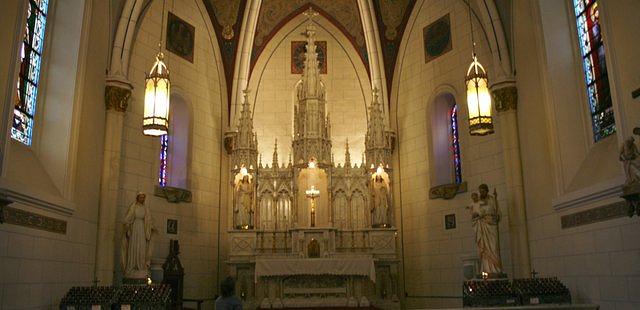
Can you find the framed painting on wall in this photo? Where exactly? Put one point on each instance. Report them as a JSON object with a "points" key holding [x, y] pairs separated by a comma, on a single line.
{"points": [[298, 49], [437, 38], [180, 37]]}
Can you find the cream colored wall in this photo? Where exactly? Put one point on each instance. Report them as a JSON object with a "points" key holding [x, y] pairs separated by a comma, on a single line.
{"points": [[272, 88], [38, 267], [599, 262], [432, 255], [200, 85]]}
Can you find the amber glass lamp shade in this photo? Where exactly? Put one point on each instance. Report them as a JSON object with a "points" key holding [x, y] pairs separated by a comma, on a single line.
{"points": [[156, 99], [478, 100]]}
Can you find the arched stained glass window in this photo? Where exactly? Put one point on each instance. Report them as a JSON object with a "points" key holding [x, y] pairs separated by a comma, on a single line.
{"points": [[455, 144], [595, 67], [29, 76], [164, 152]]}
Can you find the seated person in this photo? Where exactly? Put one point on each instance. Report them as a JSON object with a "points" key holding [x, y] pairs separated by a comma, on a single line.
{"points": [[228, 300]]}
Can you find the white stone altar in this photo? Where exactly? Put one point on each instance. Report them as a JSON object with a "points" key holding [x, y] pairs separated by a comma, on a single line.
{"points": [[317, 234], [335, 266]]}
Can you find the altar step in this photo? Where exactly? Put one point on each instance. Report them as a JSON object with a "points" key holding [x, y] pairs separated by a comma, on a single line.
{"points": [[331, 308]]}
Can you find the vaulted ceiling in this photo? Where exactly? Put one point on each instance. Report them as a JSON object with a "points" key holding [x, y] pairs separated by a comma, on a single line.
{"points": [[226, 16]]}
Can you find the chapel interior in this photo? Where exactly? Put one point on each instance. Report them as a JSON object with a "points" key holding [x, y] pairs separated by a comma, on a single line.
{"points": [[319, 154]]}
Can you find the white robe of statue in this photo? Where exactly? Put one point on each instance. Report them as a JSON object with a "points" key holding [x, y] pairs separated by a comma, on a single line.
{"points": [[244, 197], [380, 201], [630, 157], [486, 218], [137, 245]]}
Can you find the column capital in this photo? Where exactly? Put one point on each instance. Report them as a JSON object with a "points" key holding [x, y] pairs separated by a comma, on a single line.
{"points": [[506, 98], [117, 93]]}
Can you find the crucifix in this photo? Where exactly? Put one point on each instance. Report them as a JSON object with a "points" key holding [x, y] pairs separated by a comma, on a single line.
{"points": [[312, 194]]}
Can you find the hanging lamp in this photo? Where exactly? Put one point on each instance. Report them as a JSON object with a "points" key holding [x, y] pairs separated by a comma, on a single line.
{"points": [[157, 94], [478, 96]]}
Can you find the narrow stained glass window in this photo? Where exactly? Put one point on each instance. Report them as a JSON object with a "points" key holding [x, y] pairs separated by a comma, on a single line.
{"points": [[164, 151], [30, 60], [595, 68], [455, 144]]}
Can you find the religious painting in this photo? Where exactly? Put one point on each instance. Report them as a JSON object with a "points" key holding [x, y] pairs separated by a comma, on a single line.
{"points": [[449, 221], [437, 38], [172, 226], [180, 37], [298, 49]]}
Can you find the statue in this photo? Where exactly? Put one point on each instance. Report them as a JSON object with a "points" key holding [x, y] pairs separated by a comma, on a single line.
{"points": [[137, 245], [380, 191], [485, 216], [243, 191], [630, 157]]}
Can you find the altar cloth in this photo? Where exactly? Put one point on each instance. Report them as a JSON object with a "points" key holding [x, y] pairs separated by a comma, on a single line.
{"points": [[316, 266]]}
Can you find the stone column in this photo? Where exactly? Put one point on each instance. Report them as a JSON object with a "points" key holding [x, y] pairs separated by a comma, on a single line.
{"points": [[116, 94], [505, 97]]}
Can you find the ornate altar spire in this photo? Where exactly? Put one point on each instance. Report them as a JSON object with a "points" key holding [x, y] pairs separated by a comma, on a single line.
{"points": [[312, 128], [310, 78], [274, 161], [379, 141], [245, 141], [347, 155]]}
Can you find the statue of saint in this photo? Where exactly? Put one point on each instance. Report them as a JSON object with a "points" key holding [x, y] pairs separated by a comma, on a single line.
{"points": [[380, 191], [137, 246], [485, 216], [630, 157], [243, 191]]}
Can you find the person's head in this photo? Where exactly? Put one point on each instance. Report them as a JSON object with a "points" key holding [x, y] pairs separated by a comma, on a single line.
{"points": [[484, 190], [140, 197], [228, 287], [474, 197]]}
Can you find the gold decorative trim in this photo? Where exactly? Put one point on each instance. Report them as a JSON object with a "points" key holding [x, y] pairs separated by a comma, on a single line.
{"points": [[173, 194], [447, 191], [28, 219], [506, 98], [116, 98], [595, 215]]}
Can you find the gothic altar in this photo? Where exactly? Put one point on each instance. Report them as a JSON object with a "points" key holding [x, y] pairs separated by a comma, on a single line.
{"points": [[310, 233]]}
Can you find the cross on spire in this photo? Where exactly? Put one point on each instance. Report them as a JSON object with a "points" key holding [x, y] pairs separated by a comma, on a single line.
{"points": [[310, 13]]}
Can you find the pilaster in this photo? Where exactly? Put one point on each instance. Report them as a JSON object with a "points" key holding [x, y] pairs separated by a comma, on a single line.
{"points": [[117, 96], [505, 96]]}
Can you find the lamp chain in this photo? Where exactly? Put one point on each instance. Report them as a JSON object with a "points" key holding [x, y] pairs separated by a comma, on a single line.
{"points": [[164, 2], [473, 41]]}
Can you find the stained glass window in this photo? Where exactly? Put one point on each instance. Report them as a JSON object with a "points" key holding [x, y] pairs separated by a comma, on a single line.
{"points": [[29, 76], [455, 144], [595, 68], [164, 151]]}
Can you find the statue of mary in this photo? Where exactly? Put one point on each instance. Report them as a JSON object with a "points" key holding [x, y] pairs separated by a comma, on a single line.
{"points": [[137, 245]]}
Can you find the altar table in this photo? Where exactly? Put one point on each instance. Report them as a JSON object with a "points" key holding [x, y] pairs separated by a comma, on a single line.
{"points": [[315, 266]]}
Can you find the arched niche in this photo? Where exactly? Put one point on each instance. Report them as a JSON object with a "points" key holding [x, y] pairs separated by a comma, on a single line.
{"points": [[44, 173], [272, 88], [442, 150], [179, 142]]}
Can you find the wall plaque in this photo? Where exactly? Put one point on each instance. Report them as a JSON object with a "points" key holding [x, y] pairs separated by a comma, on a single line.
{"points": [[298, 49], [172, 226], [449, 221], [437, 38], [180, 37]]}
